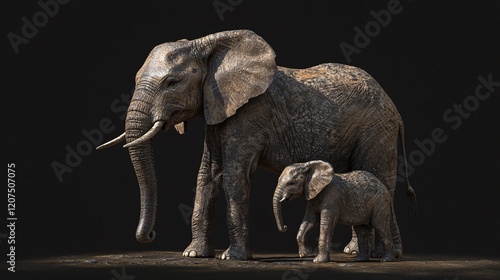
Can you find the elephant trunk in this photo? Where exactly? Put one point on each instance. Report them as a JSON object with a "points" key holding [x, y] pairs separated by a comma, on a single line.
{"points": [[277, 199], [137, 124]]}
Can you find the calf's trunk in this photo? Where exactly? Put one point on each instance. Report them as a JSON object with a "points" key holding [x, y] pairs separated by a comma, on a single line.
{"points": [[277, 198]]}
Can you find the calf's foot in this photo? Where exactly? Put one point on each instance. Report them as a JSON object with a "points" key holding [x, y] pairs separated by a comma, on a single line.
{"points": [[321, 258]]}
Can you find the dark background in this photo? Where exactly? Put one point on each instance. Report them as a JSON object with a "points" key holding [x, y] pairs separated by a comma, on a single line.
{"points": [[66, 78]]}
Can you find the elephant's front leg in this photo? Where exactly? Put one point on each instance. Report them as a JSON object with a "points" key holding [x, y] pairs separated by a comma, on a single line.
{"points": [[239, 161], [327, 226], [207, 189], [237, 191], [310, 219]]}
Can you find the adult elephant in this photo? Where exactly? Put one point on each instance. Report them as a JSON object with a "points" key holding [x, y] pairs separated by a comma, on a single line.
{"points": [[257, 114]]}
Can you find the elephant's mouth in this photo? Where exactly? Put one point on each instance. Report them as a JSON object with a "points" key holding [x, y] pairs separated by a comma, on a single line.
{"points": [[168, 120], [165, 127], [174, 119]]}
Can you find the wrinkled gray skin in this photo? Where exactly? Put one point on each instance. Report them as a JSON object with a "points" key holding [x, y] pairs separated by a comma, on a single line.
{"points": [[356, 198], [257, 114]]}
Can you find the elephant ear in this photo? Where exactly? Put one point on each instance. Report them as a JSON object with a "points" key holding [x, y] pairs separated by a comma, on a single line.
{"points": [[240, 66], [320, 175]]}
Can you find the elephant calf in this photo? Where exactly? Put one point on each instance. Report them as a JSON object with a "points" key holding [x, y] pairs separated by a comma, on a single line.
{"points": [[356, 198]]}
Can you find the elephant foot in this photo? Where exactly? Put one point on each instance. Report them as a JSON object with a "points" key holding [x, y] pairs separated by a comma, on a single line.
{"points": [[362, 258], [322, 258], [398, 249], [235, 253], [305, 251], [377, 253], [387, 258], [198, 249], [352, 247]]}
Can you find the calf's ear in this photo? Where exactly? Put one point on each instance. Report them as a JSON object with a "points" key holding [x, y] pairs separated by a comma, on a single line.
{"points": [[320, 175]]}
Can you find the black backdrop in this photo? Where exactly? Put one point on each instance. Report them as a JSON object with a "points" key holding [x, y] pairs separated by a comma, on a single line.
{"points": [[78, 70]]}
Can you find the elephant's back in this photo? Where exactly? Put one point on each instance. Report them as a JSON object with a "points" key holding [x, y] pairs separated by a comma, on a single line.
{"points": [[361, 188], [345, 85], [359, 179]]}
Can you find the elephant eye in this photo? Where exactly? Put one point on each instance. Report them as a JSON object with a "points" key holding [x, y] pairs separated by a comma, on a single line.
{"points": [[171, 83]]}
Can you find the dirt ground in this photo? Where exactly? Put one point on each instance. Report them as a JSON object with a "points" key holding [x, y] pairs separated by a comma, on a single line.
{"points": [[171, 265]]}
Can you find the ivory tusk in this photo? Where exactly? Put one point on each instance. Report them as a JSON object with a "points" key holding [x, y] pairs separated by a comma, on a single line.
{"points": [[147, 136], [180, 127], [112, 142]]}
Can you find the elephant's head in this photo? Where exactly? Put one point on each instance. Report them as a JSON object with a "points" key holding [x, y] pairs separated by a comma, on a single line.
{"points": [[211, 76], [298, 179]]}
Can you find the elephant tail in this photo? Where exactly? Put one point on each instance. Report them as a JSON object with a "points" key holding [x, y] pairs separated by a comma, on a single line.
{"points": [[410, 192]]}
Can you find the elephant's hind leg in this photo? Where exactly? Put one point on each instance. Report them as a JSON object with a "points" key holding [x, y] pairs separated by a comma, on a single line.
{"points": [[363, 233], [382, 225], [376, 152]]}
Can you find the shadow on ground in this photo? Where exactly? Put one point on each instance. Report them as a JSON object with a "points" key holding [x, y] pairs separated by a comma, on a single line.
{"points": [[171, 265]]}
